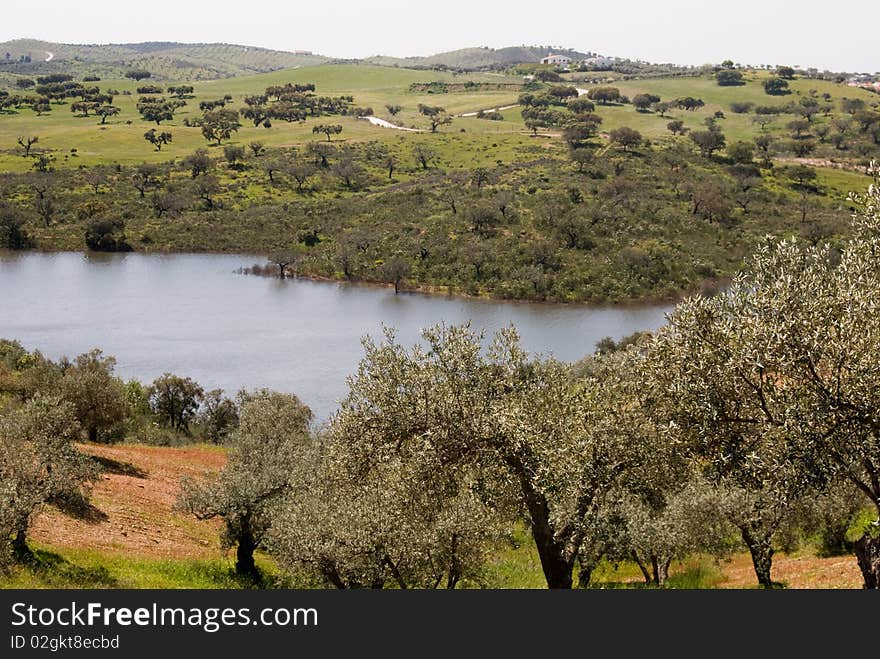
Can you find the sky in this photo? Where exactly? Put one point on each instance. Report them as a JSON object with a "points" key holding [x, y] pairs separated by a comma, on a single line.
{"points": [[806, 33]]}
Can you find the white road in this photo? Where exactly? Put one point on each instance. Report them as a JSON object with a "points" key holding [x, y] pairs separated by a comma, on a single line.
{"points": [[501, 109], [49, 56], [376, 121]]}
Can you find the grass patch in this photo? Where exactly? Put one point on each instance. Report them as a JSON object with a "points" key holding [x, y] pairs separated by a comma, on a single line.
{"points": [[84, 568]]}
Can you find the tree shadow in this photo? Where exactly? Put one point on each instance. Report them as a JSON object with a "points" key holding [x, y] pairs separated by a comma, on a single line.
{"points": [[111, 466], [56, 571], [77, 506]]}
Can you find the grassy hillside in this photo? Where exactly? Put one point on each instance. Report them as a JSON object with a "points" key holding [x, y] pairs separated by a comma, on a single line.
{"points": [[121, 138], [166, 60], [653, 221], [477, 58], [718, 98]]}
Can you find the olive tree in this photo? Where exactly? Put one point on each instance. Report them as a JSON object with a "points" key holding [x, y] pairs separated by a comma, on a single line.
{"points": [[556, 447], [658, 508], [367, 520], [39, 464], [829, 329], [775, 384], [731, 411], [265, 460], [671, 521]]}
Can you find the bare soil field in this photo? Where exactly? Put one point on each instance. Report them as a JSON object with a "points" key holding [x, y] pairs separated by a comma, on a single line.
{"points": [[133, 505]]}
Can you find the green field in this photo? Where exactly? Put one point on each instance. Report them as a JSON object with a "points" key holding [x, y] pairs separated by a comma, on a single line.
{"points": [[121, 139], [82, 141], [735, 126]]}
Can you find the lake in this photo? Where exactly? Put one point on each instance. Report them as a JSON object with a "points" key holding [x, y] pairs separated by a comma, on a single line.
{"points": [[192, 315]]}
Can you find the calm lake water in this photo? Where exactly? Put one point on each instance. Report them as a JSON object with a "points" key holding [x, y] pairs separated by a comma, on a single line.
{"points": [[192, 315]]}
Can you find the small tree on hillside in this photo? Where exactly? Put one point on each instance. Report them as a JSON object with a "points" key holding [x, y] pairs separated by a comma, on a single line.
{"points": [[436, 116], [729, 78], [626, 137], [175, 400], [97, 395], [709, 141], [27, 143], [604, 95], [776, 86], [105, 111], [219, 125], [158, 139], [327, 129], [266, 459]]}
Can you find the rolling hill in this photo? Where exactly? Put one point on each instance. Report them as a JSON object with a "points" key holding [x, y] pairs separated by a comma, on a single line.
{"points": [[478, 58], [166, 60], [211, 61]]}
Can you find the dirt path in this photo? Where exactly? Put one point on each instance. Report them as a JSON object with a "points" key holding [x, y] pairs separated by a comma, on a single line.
{"points": [[376, 121], [501, 109], [824, 163], [49, 56]]}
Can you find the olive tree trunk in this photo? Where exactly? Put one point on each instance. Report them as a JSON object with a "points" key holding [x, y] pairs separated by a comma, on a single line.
{"points": [[761, 549], [867, 550]]}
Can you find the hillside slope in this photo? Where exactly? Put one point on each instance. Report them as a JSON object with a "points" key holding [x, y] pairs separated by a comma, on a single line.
{"points": [[478, 58], [177, 61], [132, 505]]}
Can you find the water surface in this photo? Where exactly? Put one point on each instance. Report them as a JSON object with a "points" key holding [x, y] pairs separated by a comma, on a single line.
{"points": [[190, 314]]}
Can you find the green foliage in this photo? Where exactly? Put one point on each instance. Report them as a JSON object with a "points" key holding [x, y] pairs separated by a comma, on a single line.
{"points": [[219, 125], [175, 400], [772, 377], [604, 95], [729, 78], [776, 86], [97, 395], [267, 458], [39, 465]]}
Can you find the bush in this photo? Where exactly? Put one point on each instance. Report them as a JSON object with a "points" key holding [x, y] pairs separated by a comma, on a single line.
{"points": [[107, 236]]}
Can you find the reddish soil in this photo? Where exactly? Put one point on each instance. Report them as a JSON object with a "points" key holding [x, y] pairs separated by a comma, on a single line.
{"points": [[796, 572], [133, 505]]}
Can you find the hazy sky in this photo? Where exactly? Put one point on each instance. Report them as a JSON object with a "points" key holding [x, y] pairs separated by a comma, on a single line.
{"points": [[824, 34]]}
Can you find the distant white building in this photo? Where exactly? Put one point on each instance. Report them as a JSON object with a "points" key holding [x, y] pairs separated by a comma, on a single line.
{"points": [[556, 60]]}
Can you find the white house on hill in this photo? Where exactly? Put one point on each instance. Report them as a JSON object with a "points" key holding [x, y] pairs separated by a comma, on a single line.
{"points": [[556, 60]]}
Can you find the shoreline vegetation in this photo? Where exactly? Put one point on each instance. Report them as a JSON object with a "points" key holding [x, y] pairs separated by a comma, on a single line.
{"points": [[270, 270]]}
